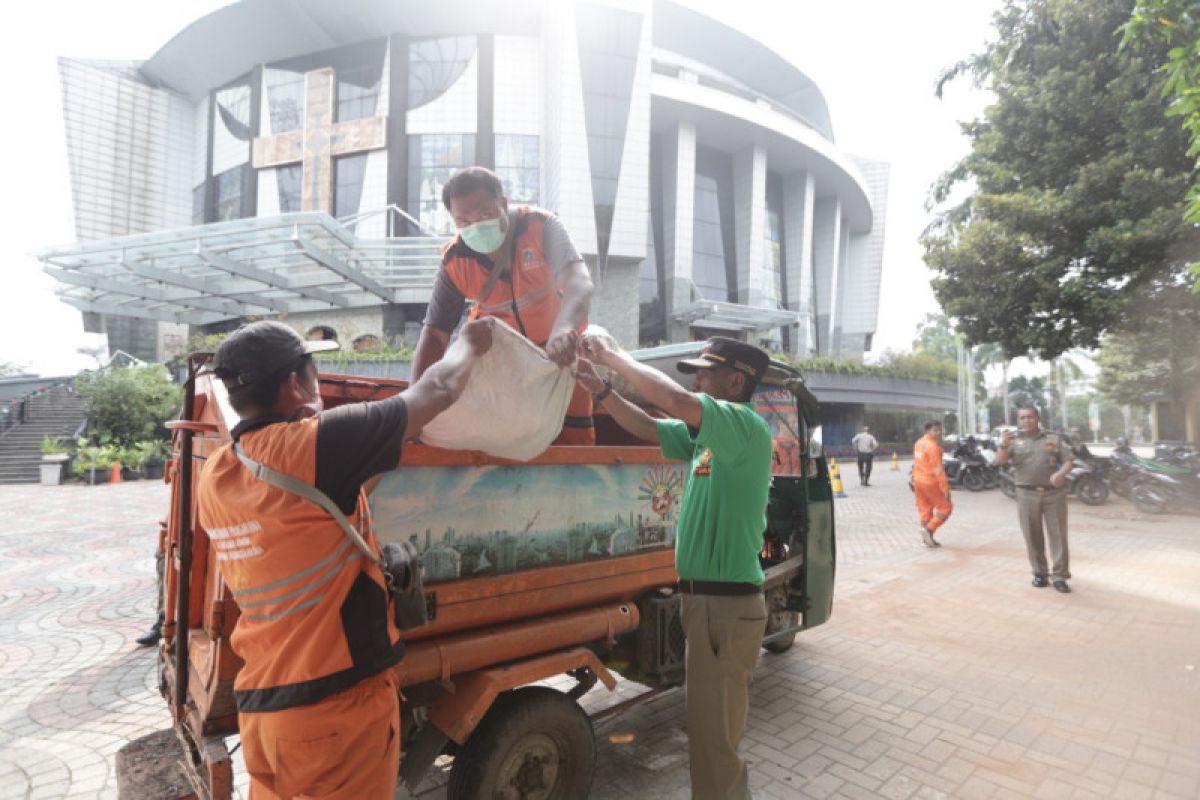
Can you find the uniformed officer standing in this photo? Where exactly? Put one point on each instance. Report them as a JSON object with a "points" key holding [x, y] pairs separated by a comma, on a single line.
{"points": [[1041, 462]]}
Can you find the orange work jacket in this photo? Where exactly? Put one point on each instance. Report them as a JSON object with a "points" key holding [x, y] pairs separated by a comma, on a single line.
{"points": [[927, 464], [531, 299], [314, 611]]}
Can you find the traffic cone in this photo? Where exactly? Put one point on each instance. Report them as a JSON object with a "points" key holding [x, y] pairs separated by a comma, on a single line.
{"points": [[895, 462], [835, 476], [115, 475]]}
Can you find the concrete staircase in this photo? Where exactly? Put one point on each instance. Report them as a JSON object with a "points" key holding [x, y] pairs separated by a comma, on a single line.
{"points": [[57, 412]]}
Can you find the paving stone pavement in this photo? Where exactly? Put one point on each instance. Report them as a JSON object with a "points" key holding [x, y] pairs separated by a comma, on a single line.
{"points": [[942, 673]]}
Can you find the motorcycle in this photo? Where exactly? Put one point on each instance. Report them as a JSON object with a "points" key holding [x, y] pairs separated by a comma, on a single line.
{"points": [[1087, 479], [1129, 471], [1159, 492], [967, 468]]}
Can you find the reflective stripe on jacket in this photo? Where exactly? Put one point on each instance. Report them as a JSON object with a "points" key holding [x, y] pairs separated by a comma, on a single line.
{"points": [[314, 612], [529, 298], [927, 464]]}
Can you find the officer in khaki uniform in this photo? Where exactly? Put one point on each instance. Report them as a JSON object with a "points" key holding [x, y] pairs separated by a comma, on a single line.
{"points": [[719, 533], [1041, 462]]}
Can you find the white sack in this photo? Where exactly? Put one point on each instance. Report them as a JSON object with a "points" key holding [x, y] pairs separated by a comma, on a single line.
{"points": [[513, 405]]}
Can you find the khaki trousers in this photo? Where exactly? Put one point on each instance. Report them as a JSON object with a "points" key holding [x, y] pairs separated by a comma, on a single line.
{"points": [[1050, 506], [724, 635], [345, 747]]}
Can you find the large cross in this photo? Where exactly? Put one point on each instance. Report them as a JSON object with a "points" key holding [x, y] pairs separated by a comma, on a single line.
{"points": [[320, 142]]}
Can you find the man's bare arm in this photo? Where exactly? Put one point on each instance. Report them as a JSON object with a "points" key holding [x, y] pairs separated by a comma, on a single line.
{"points": [[659, 390], [445, 380], [430, 349]]}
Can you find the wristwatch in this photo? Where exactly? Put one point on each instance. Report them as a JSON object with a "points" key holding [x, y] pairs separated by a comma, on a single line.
{"points": [[602, 395]]}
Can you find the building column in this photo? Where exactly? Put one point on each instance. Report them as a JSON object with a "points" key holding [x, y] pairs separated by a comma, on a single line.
{"points": [[397, 133], [799, 195], [679, 186], [754, 286], [827, 258]]}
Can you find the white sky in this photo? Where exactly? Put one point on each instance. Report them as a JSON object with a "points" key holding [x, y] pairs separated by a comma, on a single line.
{"points": [[875, 60]]}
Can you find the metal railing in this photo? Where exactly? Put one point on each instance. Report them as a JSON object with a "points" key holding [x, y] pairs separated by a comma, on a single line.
{"points": [[19, 410]]}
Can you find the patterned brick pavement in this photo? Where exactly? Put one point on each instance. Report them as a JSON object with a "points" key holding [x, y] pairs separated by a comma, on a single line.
{"points": [[941, 674]]}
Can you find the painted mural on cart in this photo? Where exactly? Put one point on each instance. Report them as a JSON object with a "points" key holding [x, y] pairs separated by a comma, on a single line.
{"points": [[474, 521]]}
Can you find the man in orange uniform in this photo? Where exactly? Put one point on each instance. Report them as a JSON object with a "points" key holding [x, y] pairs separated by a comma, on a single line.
{"points": [[317, 700], [930, 484], [517, 265]]}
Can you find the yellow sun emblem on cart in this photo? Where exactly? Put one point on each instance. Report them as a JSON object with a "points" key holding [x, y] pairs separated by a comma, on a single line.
{"points": [[662, 486]]}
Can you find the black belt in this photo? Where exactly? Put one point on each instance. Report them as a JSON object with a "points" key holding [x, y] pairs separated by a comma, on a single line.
{"points": [[1033, 488], [724, 588]]}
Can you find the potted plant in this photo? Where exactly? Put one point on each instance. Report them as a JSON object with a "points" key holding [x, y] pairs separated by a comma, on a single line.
{"points": [[131, 459], [54, 456], [150, 457]]}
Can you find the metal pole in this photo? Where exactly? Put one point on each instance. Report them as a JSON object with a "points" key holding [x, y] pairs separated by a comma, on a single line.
{"points": [[184, 525]]}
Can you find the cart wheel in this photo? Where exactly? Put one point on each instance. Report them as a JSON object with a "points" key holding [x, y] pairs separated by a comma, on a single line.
{"points": [[779, 618], [534, 744]]}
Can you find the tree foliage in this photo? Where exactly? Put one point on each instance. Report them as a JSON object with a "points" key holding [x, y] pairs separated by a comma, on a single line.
{"points": [[1161, 357], [937, 337], [1076, 183], [129, 404], [1174, 25]]}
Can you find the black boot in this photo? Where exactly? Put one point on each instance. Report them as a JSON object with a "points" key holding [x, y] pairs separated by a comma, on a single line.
{"points": [[152, 636]]}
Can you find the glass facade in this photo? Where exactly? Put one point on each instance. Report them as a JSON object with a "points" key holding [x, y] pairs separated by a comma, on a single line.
{"points": [[288, 180], [434, 65], [229, 185], [714, 264], [348, 174], [432, 159], [608, 48], [285, 99], [198, 196], [517, 159]]}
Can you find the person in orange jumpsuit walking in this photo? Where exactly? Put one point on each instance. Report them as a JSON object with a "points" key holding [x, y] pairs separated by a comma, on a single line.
{"points": [[930, 484]]}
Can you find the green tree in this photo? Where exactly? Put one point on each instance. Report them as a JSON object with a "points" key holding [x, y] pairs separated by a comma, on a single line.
{"points": [[1026, 391], [129, 404], [1174, 26], [1160, 356], [936, 336], [1075, 183]]}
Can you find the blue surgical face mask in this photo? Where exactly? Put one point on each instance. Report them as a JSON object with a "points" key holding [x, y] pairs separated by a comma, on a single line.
{"points": [[483, 237]]}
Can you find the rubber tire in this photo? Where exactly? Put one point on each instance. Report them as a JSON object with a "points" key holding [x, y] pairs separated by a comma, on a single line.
{"points": [[778, 618], [1147, 502], [974, 481], [1092, 491], [516, 714], [1009, 488]]}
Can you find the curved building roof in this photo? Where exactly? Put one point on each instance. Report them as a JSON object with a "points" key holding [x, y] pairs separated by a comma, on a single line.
{"points": [[689, 33], [228, 42]]}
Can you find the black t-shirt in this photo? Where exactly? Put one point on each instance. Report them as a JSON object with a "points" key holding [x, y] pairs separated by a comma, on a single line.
{"points": [[355, 442]]}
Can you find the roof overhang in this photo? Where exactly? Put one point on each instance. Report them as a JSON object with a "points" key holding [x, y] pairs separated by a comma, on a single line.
{"points": [[288, 264], [229, 42], [734, 316]]}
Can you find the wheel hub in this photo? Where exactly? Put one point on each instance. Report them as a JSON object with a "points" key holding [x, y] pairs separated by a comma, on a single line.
{"points": [[530, 772]]}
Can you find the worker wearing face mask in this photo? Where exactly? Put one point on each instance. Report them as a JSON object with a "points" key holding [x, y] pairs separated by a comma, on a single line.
{"points": [[516, 264]]}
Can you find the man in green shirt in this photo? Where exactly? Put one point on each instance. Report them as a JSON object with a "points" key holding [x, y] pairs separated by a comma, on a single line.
{"points": [[719, 533]]}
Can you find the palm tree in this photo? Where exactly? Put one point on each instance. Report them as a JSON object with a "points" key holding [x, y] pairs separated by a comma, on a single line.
{"points": [[987, 355]]}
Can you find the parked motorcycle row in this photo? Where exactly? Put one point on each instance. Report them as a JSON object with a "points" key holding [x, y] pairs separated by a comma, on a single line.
{"points": [[1169, 482]]}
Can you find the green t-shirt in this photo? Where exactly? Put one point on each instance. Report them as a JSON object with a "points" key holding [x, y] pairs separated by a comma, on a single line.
{"points": [[724, 508]]}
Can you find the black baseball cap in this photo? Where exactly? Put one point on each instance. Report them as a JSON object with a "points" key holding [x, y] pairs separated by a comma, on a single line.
{"points": [[720, 351], [262, 351]]}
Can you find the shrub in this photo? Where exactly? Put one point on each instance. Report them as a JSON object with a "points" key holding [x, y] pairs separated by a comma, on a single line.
{"points": [[129, 404]]}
